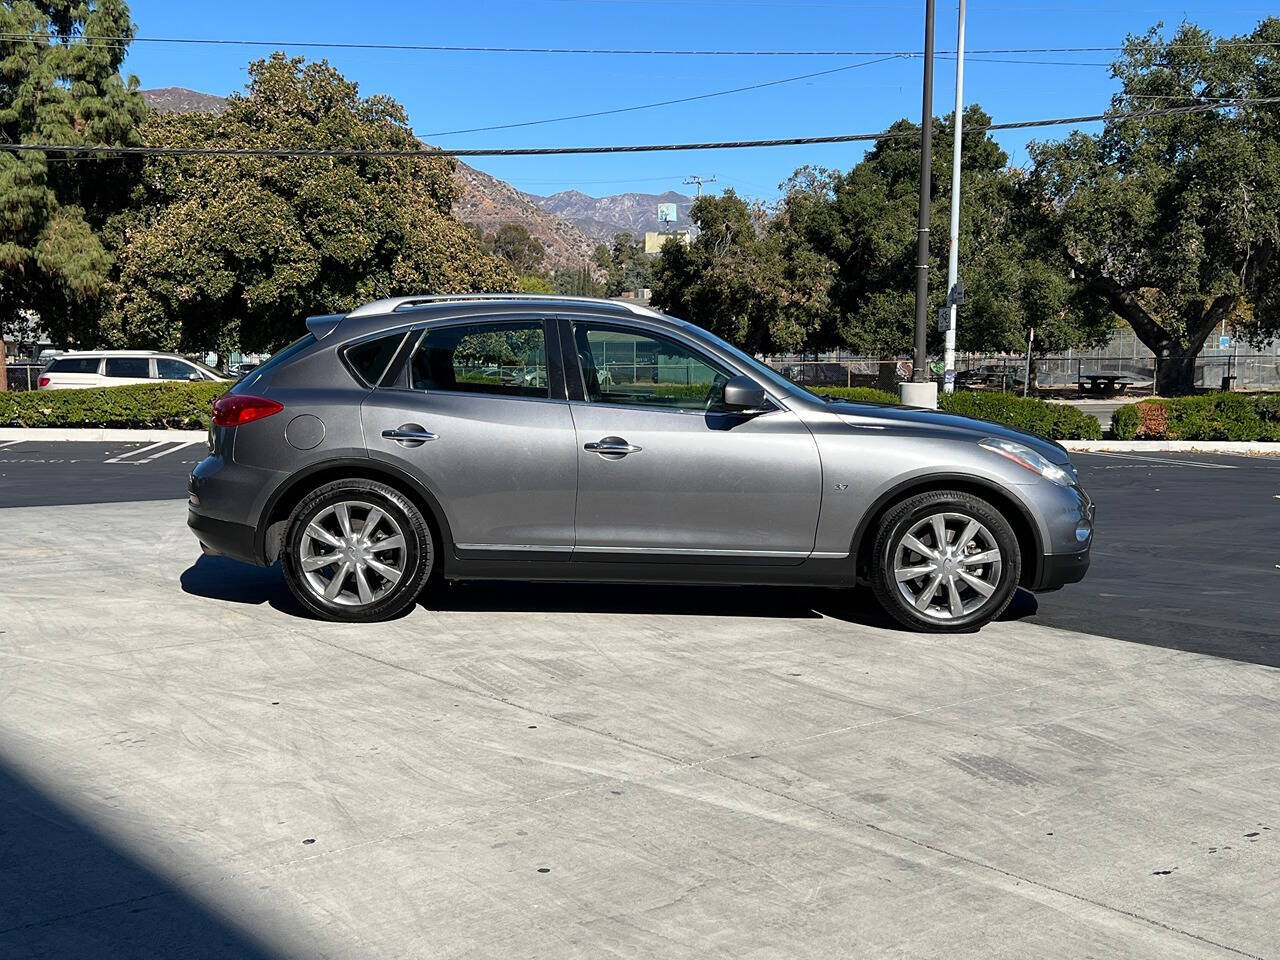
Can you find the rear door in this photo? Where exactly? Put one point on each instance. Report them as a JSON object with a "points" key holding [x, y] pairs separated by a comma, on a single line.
{"points": [[122, 370], [480, 416], [664, 471]]}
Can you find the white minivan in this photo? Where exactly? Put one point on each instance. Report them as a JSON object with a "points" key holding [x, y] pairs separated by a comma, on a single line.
{"points": [[112, 368]]}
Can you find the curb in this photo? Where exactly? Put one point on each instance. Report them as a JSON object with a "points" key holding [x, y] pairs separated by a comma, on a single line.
{"points": [[1172, 446], [99, 435]]}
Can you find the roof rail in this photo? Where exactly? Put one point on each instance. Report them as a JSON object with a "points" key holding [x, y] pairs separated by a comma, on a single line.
{"points": [[392, 304]]}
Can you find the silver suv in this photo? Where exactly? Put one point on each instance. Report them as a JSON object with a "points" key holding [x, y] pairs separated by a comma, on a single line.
{"points": [[542, 438]]}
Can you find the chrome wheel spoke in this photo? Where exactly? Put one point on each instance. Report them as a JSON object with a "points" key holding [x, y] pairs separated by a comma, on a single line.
{"points": [[371, 522], [955, 604], [927, 594], [320, 562], [317, 532], [970, 531], [981, 586], [911, 573], [390, 543], [334, 587], [911, 543], [343, 512], [981, 559], [362, 585], [939, 524], [390, 574]]}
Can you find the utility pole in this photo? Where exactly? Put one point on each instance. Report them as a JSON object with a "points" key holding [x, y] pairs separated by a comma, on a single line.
{"points": [[954, 293], [699, 181], [922, 391]]}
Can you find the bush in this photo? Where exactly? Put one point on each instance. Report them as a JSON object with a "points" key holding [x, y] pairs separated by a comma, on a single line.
{"points": [[858, 394], [1057, 421], [163, 405], [1209, 416]]}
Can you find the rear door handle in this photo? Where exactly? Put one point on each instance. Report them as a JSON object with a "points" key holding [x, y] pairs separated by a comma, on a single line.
{"points": [[611, 447], [409, 435]]}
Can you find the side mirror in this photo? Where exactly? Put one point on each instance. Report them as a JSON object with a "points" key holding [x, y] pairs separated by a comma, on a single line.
{"points": [[744, 395], [194, 377]]}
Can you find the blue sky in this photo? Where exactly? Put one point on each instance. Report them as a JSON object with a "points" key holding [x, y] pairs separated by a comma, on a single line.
{"points": [[448, 91]]}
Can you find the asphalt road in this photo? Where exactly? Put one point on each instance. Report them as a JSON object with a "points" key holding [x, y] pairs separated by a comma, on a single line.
{"points": [[1185, 555]]}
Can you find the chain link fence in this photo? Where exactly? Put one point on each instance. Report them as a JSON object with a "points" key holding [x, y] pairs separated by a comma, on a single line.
{"points": [[23, 376]]}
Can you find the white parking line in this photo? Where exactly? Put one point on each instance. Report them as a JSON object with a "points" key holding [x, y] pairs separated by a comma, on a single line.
{"points": [[10, 443], [123, 457], [1165, 460], [164, 453]]}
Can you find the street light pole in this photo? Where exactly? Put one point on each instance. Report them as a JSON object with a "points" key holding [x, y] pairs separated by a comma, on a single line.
{"points": [[922, 391], [953, 258]]}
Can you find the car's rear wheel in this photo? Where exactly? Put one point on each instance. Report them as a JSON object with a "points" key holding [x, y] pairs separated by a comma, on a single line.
{"points": [[945, 561], [357, 550]]}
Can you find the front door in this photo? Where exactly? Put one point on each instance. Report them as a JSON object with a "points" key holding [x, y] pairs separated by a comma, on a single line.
{"points": [[663, 470], [475, 420]]}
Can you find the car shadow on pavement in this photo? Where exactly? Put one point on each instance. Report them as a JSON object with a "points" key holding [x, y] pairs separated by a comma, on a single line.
{"points": [[219, 578], [68, 891]]}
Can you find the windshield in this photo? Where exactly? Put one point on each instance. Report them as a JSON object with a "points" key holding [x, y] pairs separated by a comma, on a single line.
{"points": [[765, 371]]}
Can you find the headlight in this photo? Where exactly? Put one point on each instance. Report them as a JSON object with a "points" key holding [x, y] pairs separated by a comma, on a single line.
{"points": [[1024, 456]]}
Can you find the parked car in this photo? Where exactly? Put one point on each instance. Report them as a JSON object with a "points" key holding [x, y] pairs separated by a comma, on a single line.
{"points": [[369, 460], [112, 368]]}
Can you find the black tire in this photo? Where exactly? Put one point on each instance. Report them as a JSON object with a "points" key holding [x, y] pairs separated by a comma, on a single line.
{"points": [[417, 560], [900, 520]]}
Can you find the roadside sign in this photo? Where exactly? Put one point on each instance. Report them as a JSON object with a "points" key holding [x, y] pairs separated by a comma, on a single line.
{"points": [[1224, 343], [944, 319]]}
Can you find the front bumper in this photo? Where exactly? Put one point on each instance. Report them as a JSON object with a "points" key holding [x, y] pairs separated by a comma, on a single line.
{"points": [[1058, 569]]}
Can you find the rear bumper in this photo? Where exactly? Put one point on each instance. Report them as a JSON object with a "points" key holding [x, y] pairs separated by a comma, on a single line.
{"points": [[224, 538], [1058, 569]]}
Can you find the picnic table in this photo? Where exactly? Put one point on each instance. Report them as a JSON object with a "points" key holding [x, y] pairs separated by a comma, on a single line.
{"points": [[1103, 384]]}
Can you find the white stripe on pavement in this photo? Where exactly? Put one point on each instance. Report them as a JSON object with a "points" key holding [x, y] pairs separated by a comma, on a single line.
{"points": [[165, 453], [1181, 463], [122, 457], [10, 443]]}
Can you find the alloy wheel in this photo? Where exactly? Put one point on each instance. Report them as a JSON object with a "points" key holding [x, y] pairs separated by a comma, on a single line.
{"points": [[352, 553], [947, 566]]}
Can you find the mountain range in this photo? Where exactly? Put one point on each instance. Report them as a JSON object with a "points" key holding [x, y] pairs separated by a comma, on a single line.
{"points": [[569, 224]]}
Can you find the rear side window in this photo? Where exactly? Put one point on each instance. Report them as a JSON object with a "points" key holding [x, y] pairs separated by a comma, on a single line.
{"points": [[369, 360], [169, 369], [505, 358], [290, 351], [137, 368], [74, 365]]}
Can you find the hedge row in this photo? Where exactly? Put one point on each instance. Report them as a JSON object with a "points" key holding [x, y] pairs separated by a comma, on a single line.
{"points": [[1210, 416], [171, 405], [1057, 421]]}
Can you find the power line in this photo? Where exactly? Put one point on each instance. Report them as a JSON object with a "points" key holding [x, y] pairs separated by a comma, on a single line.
{"points": [[662, 103], [590, 51], [78, 149]]}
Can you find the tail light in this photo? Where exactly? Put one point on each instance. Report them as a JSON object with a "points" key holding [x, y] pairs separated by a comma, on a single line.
{"points": [[42, 382], [237, 409]]}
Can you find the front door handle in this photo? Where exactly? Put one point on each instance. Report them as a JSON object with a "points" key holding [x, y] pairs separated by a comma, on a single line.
{"points": [[611, 447], [409, 435]]}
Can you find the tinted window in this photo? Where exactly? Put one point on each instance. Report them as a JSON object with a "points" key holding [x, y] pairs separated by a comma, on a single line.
{"points": [[291, 350], [641, 369], [170, 369], [370, 359], [504, 358], [138, 368], [74, 365]]}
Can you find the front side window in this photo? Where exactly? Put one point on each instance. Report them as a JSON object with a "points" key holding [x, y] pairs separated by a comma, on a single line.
{"points": [[643, 369], [169, 369], [135, 368], [504, 358]]}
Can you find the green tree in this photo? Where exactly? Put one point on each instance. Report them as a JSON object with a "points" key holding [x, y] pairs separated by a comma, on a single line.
{"points": [[741, 280], [514, 244], [56, 88], [1173, 222], [577, 281], [865, 222], [625, 264], [234, 251]]}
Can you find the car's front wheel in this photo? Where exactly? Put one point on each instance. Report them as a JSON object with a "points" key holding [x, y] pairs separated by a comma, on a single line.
{"points": [[357, 550], [945, 560]]}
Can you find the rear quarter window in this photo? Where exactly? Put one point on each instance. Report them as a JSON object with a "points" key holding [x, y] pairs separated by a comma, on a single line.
{"points": [[369, 360], [74, 365]]}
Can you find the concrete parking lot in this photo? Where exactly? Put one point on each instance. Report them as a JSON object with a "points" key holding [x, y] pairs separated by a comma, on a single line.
{"points": [[189, 767]]}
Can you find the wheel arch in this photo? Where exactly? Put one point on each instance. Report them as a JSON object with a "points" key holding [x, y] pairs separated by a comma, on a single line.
{"points": [[275, 514], [1014, 509]]}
